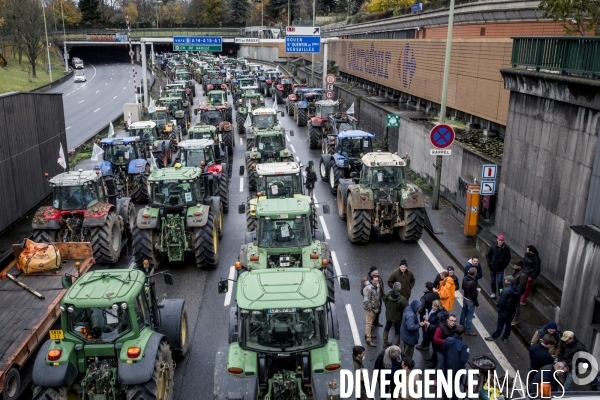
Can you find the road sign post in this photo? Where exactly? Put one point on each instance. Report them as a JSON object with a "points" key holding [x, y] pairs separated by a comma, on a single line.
{"points": [[441, 136], [198, 43]]}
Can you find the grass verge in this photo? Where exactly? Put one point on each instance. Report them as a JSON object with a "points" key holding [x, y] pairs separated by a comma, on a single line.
{"points": [[15, 77]]}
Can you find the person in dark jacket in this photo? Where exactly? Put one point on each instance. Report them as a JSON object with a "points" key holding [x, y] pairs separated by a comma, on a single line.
{"points": [[432, 321], [443, 331], [474, 263], [498, 257], [521, 282], [358, 355], [438, 278], [550, 329], [548, 373], [506, 308], [470, 301], [569, 346], [390, 359], [539, 355], [372, 273], [311, 179], [456, 353], [395, 304], [405, 277], [532, 266], [409, 331], [429, 296]]}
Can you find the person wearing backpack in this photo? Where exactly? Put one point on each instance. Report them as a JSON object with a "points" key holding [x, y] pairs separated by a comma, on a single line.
{"points": [[507, 304]]}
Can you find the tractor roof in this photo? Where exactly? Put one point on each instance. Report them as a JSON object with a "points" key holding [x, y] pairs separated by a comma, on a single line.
{"points": [[120, 140], [203, 128], [263, 289], [249, 87], [264, 111], [142, 125], [74, 178], [383, 159], [355, 134], [175, 173], [103, 288], [327, 103], [283, 208], [169, 98], [196, 143], [278, 168], [312, 90], [216, 92], [161, 108]]}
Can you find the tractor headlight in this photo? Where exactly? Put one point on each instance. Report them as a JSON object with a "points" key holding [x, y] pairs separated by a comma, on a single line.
{"points": [[71, 309], [115, 307], [124, 306]]}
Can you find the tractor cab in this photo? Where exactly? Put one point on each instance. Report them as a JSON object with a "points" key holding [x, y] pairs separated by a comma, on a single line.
{"points": [[203, 132], [382, 171], [173, 104], [211, 115], [198, 153], [246, 82], [269, 142], [121, 151], [271, 76], [160, 117], [217, 98], [177, 187], [353, 144], [326, 108], [340, 122], [216, 83], [312, 95], [264, 118], [77, 190], [276, 180], [147, 131]]}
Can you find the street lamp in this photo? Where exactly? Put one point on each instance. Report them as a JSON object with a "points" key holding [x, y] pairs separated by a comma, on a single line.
{"points": [[62, 13], [157, 9], [312, 75], [47, 46]]}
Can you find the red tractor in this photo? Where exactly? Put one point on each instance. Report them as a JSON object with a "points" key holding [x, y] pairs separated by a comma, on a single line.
{"points": [[216, 84], [292, 98], [282, 87]]}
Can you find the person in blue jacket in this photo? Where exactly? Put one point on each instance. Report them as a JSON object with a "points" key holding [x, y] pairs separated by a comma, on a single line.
{"points": [[456, 354], [409, 330]]}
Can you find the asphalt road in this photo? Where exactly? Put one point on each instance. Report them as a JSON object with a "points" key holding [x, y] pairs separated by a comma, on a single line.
{"points": [[93, 104]]}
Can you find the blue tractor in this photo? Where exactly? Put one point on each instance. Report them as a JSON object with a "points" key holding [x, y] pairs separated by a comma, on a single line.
{"points": [[306, 106], [349, 147], [125, 159]]}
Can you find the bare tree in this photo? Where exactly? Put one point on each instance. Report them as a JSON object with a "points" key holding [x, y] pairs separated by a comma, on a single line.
{"points": [[25, 21]]}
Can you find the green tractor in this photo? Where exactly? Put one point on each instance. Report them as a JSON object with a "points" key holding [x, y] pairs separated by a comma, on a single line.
{"points": [[262, 120], [182, 217], [381, 198], [218, 98], [225, 138], [239, 83], [283, 337], [116, 341], [250, 100], [177, 110]]}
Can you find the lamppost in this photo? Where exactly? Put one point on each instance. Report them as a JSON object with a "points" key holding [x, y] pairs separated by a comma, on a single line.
{"points": [[157, 9], [47, 46], [62, 13], [312, 74]]}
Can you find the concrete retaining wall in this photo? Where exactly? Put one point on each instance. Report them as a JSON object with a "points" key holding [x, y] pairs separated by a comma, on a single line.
{"points": [[259, 53]]}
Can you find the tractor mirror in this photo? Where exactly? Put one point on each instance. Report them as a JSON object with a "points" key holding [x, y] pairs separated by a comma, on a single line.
{"points": [[228, 93], [291, 133], [326, 209], [224, 286], [282, 114], [67, 281], [168, 279], [242, 209], [344, 283], [195, 111], [241, 170]]}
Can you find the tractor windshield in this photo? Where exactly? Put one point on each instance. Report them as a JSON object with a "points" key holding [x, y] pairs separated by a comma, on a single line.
{"points": [[246, 82], [269, 143], [353, 147], [280, 185], [287, 81], [252, 99], [312, 97], [98, 324], [143, 133], [215, 99], [212, 117], [288, 329], [196, 134], [344, 126], [183, 76], [284, 233], [119, 153], [160, 117], [174, 193], [194, 157], [215, 81], [264, 121], [384, 177], [327, 110], [74, 197]]}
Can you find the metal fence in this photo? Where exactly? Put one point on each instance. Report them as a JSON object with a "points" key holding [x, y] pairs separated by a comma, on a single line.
{"points": [[33, 127], [565, 54], [82, 34]]}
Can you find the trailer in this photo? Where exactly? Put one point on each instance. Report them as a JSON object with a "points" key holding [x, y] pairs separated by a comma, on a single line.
{"points": [[27, 317]]}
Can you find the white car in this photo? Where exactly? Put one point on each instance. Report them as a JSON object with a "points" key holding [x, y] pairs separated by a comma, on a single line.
{"points": [[79, 77]]}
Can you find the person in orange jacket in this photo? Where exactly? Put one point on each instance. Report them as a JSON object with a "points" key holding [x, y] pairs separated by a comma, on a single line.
{"points": [[446, 290]]}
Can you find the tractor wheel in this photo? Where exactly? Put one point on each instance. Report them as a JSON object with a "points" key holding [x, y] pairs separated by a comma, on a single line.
{"points": [[240, 124], [131, 220], [278, 96], [183, 329], [43, 236], [141, 194], [252, 179], [224, 191], [206, 242], [249, 144], [340, 203], [143, 248], [415, 221], [45, 393], [334, 177], [313, 138], [228, 140], [330, 148], [301, 117], [229, 115], [106, 240], [290, 109], [358, 224], [160, 385], [323, 171], [330, 282], [250, 221]]}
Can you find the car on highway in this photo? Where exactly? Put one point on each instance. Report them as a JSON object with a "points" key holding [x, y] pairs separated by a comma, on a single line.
{"points": [[77, 63], [79, 76]]}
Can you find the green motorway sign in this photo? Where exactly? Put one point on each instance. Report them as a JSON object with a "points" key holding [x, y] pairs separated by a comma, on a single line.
{"points": [[197, 47], [393, 121]]}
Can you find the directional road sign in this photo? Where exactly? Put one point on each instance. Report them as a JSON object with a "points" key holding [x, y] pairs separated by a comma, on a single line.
{"points": [[487, 187], [329, 94], [303, 31], [489, 171], [393, 120], [441, 136], [197, 43], [330, 79], [246, 40], [303, 44]]}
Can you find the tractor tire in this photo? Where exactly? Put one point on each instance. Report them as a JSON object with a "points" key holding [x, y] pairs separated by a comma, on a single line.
{"points": [[229, 142], [184, 337], [206, 242], [229, 115], [143, 248], [106, 240], [330, 282], [141, 194], [323, 171], [278, 96], [251, 222], [301, 117], [240, 124], [334, 177], [313, 138], [290, 109], [252, 179], [415, 221], [340, 203], [131, 220], [45, 393], [160, 386], [224, 191], [358, 224], [249, 144], [43, 236]]}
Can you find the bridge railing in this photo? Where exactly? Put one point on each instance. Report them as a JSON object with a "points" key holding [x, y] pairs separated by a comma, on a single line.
{"points": [[575, 55], [82, 34]]}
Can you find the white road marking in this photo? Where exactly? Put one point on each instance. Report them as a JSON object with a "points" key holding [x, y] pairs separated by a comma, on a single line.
{"points": [[106, 84], [288, 138], [97, 90], [81, 101], [353, 326], [315, 199], [124, 87], [114, 97], [325, 231], [111, 77], [292, 147], [241, 184], [494, 349], [241, 142], [230, 286], [336, 265], [297, 158], [67, 128], [131, 265], [96, 109]]}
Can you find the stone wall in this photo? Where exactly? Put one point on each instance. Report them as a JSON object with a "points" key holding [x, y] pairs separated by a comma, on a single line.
{"points": [[550, 141], [259, 53]]}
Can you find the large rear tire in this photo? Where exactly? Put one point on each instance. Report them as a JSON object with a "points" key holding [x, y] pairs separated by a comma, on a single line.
{"points": [[229, 115], [143, 248], [249, 144], [278, 96], [229, 142], [415, 222], [251, 222], [44, 393], [330, 282], [160, 386], [206, 242], [290, 108], [240, 124], [131, 220], [43, 236], [141, 194], [301, 117], [340, 203], [313, 138], [224, 191], [323, 171], [252, 179], [335, 174], [106, 240], [358, 223]]}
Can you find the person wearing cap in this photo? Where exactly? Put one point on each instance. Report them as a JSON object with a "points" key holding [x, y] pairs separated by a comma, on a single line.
{"points": [[569, 345], [405, 277], [532, 266], [447, 290], [395, 304], [498, 257], [550, 329], [373, 272], [429, 296], [450, 269]]}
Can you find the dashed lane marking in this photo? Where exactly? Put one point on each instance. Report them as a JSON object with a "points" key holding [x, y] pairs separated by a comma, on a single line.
{"points": [[97, 109], [288, 138], [292, 147], [353, 326], [336, 265], [241, 184], [297, 158], [97, 90], [315, 199], [81, 101], [241, 142], [67, 128], [325, 230], [230, 286], [106, 84], [124, 87], [114, 97]]}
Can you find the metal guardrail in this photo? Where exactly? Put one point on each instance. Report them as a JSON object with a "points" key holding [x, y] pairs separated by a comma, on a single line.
{"points": [[578, 55], [82, 34]]}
